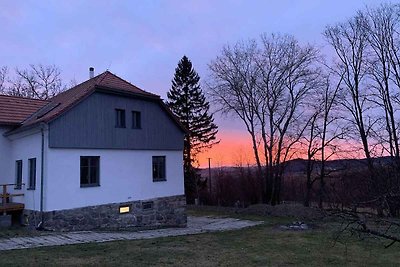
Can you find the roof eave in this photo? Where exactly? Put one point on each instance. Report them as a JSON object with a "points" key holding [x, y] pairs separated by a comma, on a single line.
{"points": [[22, 129], [7, 123], [105, 89]]}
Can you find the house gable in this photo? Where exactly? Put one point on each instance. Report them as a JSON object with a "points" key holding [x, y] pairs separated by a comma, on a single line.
{"points": [[62, 103], [91, 124]]}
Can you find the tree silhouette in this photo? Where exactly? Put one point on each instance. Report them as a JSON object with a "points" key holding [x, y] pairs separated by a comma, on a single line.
{"points": [[188, 103]]}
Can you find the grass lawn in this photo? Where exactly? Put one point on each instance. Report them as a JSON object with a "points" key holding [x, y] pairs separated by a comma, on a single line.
{"points": [[264, 245], [21, 232]]}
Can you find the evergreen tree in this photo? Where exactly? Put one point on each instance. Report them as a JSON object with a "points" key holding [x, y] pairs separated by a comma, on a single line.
{"points": [[188, 103]]}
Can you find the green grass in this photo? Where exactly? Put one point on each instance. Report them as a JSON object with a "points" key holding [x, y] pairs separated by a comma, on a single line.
{"points": [[264, 245], [20, 232]]}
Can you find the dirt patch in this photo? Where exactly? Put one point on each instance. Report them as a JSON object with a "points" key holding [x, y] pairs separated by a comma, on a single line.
{"points": [[296, 211], [297, 226]]}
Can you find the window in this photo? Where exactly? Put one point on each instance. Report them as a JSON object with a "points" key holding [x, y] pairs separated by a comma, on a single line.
{"points": [[136, 120], [18, 174], [32, 174], [147, 205], [120, 118], [90, 169], [159, 168]]}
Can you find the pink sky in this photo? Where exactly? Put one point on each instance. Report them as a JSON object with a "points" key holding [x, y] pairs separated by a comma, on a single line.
{"points": [[234, 148], [142, 41]]}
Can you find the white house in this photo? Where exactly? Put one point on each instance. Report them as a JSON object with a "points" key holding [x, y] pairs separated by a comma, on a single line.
{"points": [[104, 154]]}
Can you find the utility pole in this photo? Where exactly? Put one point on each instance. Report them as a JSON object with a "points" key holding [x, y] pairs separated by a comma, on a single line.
{"points": [[209, 173]]}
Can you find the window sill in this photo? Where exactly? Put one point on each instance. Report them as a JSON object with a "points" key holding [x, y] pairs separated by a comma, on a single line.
{"points": [[89, 185], [17, 188], [160, 180], [31, 188]]}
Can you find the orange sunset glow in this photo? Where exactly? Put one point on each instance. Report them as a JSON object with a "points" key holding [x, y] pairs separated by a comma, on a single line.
{"points": [[234, 148]]}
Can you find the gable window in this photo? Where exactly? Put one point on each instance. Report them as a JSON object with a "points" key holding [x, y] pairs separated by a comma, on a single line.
{"points": [[18, 174], [136, 120], [159, 169], [90, 171], [120, 118], [32, 174]]}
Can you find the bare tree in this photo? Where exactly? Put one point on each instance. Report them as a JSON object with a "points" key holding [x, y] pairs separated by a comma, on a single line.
{"points": [[367, 225], [233, 88], [367, 48], [350, 40], [382, 26], [3, 78], [288, 73], [323, 130], [40, 81], [265, 85], [36, 81]]}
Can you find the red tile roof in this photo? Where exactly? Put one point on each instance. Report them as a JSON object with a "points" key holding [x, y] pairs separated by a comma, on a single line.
{"points": [[14, 109], [28, 112], [67, 99]]}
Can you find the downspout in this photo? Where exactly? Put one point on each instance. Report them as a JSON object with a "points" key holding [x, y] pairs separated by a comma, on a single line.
{"points": [[40, 225]]}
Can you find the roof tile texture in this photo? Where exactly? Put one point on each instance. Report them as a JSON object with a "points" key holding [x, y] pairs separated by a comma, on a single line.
{"points": [[14, 109], [23, 111]]}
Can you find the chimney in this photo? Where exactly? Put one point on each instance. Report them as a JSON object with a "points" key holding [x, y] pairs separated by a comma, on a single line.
{"points": [[91, 72]]}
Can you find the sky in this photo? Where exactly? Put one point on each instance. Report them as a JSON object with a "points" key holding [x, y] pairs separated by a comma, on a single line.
{"points": [[142, 41]]}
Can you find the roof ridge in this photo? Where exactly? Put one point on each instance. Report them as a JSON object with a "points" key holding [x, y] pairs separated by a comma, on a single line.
{"points": [[104, 76], [129, 83], [67, 99], [80, 84]]}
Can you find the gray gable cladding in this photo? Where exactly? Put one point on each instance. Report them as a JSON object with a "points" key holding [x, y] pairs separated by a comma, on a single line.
{"points": [[91, 124]]}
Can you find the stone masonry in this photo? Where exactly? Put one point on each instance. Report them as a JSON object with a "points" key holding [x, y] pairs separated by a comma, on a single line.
{"points": [[145, 214]]}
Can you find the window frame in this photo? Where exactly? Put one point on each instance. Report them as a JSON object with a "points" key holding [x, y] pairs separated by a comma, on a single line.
{"points": [[163, 165], [120, 118], [135, 115], [32, 173], [89, 167], [18, 174]]}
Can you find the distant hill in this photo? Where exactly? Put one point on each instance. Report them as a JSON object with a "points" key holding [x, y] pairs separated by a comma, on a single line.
{"points": [[299, 165]]}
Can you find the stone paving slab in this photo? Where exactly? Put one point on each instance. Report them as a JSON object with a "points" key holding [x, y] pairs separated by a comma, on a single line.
{"points": [[196, 225]]}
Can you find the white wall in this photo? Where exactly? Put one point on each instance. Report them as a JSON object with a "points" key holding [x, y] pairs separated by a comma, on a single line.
{"points": [[23, 147], [5, 158], [125, 175]]}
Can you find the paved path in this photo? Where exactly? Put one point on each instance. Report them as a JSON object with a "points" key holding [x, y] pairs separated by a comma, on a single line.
{"points": [[196, 225]]}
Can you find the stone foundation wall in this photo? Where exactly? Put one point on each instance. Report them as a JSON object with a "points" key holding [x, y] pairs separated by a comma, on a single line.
{"points": [[5, 221], [145, 214]]}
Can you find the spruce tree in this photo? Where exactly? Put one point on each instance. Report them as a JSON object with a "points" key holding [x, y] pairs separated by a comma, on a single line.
{"points": [[188, 103]]}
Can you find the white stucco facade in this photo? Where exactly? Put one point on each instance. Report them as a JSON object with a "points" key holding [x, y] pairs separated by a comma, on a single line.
{"points": [[5, 160], [23, 147], [125, 175]]}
